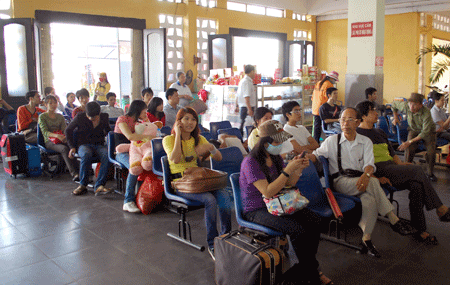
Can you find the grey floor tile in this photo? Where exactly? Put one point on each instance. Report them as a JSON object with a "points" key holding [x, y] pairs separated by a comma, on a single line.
{"points": [[49, 226], [4, 223], [33, 215], [67, 242], [46, 272], [24, 202], [11, 236], [17, 256]]}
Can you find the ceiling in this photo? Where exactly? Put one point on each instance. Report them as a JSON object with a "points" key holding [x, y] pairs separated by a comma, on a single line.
{"points": [[335, 9]]}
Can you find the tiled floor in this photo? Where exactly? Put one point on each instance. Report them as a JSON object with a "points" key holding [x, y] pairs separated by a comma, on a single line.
{"points": [[49, 236]]}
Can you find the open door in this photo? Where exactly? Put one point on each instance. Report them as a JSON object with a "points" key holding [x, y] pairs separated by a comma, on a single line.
{"points": [[17, 60], [293, 59], [154, 59], [309, 53], [220, 51]]}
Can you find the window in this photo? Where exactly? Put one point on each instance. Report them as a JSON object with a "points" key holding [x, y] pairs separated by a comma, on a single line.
{"points": [[236, 6], [274, 12], [441, 23], [205, 27], [260, 10], [207, 3], [5, 9], [301, 17], [173, 1], [175, 57], [300, 35]]}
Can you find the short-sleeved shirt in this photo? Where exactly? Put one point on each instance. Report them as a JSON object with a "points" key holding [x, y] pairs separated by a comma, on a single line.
{"points": [[113, 112], [188, 150], [246, 89], [299, 132], [127, 120], [251, 172], [182, 90], [438, 114], [253, 139], [382, 148], [329, 112], [152, 118], [420, 122], [170, 114]]}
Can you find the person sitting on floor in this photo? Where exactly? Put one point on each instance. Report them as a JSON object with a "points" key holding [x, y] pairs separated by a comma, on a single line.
{"points": [[293, 115], [111, 109], [50, 123], [357, 157], [83, 98], [183, 148], [155, 110], [125, 125], [263, 174], [28, 115], [91, 128], [402, 175], [330, 111]]}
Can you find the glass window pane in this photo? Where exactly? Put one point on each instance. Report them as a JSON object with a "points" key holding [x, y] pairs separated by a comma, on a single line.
{"points": [[309, 55], [162, 19], [236, 6], [212, 4], [260, 10], [274, 12], [5, 4], [16, 59]]}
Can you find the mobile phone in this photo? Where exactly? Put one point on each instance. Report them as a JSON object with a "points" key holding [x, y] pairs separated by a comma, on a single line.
{"points": [[302, 155]]}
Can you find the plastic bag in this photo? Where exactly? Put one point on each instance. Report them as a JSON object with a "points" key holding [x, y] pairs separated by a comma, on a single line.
{"points": [[150, 193]]}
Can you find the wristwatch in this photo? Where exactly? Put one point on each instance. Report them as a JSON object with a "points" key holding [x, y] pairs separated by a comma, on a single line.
{"points": [[368, 175], [410, 142]]}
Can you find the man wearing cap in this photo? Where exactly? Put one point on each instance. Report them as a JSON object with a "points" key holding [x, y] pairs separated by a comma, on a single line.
{"points": [[319, 97], [246, 95], [352, 166], [420, 127]]}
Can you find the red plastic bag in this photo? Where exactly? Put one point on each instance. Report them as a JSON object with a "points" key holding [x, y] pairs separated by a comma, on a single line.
{"points": [[56, 140], [150, 193]]}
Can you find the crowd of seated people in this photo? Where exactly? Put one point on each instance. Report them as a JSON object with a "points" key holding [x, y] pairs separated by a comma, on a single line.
{"points": [[360, 147]]}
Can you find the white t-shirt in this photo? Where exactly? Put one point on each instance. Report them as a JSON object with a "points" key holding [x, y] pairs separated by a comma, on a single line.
{"points": [[299, 132], [246, 89], [182, 90]]}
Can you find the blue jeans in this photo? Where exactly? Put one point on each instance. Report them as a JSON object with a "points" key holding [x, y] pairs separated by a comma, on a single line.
{"points": [[211, 200], [86, 152], [130, 186]]}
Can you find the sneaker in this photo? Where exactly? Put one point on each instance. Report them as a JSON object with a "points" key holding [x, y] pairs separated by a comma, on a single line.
{"points": [[211, 252], [403, 228], [131, 207]]}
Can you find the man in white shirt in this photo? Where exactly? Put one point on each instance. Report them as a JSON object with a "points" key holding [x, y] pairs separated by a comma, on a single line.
{"points": [[184, 92], [293, 115], [171, 108], [110, 108], [357, 154], [246, 95], [440, 117]]}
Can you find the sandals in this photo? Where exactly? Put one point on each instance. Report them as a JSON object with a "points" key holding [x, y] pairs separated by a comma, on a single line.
{"points": [[429, 240], [325, 280], [80, 190], [101, 190]]}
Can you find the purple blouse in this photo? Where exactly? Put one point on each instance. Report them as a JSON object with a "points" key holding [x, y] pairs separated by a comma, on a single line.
{"points": [[251, 172]]}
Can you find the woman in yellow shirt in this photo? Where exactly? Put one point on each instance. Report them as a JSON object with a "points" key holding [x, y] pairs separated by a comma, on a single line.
{"points": [[102, 89], [183, 148]]}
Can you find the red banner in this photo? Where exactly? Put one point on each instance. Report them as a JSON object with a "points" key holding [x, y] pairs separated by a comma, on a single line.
{"points": [[362, 29]]}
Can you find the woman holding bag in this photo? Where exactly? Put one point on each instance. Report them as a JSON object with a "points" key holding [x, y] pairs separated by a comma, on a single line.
{"points": [[183, 148], [262, 174], [52, 126]]}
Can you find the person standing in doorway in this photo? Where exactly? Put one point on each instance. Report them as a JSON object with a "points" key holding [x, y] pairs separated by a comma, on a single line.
{"points": [[102, 89], [319, 97], [184, 92], [246, 95]]}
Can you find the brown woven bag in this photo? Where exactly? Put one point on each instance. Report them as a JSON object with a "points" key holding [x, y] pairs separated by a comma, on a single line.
{"points": [[200, 180]]}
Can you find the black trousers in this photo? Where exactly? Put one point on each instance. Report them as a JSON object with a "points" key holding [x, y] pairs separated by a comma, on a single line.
{"points": [[303, 228], [413, 178], [317, 130], [243, 114]]}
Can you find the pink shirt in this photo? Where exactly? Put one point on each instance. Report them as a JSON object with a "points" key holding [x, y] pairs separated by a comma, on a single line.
{"points": [[127, 120]]}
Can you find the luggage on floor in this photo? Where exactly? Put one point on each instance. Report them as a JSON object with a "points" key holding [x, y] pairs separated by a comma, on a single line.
{"points": [[34, 161], [150, 193], [241, 259], [14, 154]]}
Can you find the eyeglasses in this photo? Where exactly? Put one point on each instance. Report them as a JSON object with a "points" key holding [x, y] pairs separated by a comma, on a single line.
{"points": [[347, 120], [297, 111]]}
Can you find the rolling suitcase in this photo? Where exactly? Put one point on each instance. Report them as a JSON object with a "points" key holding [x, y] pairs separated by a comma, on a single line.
{"points": [[14, 154], [34, 161], [243, 260]]}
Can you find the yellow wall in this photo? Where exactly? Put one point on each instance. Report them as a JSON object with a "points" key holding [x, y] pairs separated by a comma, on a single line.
{"points": [[401, 45], [150, 10]]}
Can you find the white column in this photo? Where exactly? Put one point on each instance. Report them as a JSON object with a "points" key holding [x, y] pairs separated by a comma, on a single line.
{"points": [[365, 50]]}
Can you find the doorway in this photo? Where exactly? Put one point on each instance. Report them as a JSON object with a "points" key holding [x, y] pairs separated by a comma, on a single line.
{"points": [[81, 52]]}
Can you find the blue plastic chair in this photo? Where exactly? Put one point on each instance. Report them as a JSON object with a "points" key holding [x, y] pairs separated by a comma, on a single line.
{"points": [[120, 171], [166, 131], [231, 131], [202, 129], [181, 205], [234, 178], [215, 126], [231, 163], [207, 135], [51, 167], [384, 125], [248, 130], [326, 131], [157, 153], [402, 136], [10, 125]]}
